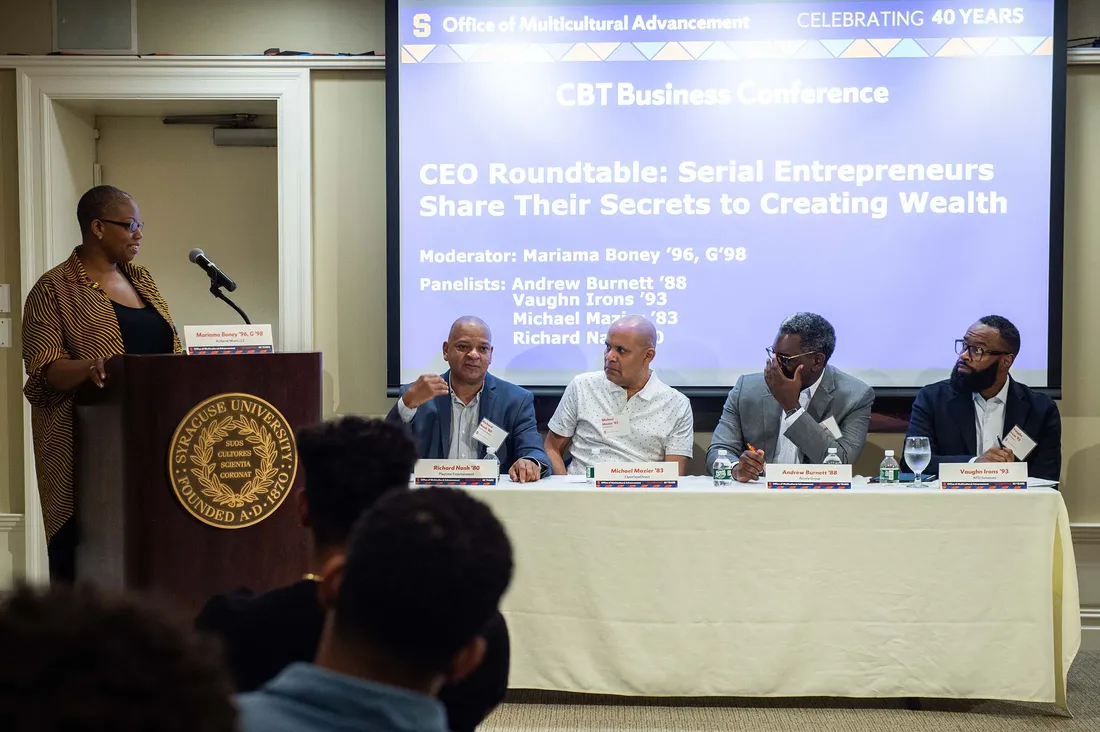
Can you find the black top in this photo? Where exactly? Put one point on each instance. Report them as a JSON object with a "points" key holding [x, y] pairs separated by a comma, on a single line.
{"points": [[262, 634], [144, 331]]}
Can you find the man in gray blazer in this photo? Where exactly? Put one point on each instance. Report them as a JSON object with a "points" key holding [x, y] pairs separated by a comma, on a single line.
{"points": [[797, 409]]}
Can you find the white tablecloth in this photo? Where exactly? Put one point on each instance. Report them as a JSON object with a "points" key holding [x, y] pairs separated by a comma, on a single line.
{"points": [[871, 592]]}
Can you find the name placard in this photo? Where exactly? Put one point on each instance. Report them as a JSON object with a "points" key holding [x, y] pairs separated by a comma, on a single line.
{"points": [[455, 472], [983, 476], [227, 340], [810, 477], [637, 475]]}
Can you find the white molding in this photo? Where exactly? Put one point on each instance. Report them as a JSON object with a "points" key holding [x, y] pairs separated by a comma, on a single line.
{"points": [[1085, 533], [192, 62], [42, 81], [10, 522]]}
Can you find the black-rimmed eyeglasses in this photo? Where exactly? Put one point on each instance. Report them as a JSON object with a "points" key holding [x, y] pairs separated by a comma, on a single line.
{"points": [[976, 352], [131, 226]]}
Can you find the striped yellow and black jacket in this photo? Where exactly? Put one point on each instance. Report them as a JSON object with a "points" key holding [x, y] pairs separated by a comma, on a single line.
{"points": [[68, 316]]}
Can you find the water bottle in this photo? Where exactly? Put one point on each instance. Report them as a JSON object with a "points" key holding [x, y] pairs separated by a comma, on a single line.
{"points": [[723, 469], [888, 469], [492, 455], [592, 468], [832, 458]]}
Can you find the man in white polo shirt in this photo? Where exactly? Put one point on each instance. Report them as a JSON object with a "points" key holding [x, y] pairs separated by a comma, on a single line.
{"points": [[625, 411]]}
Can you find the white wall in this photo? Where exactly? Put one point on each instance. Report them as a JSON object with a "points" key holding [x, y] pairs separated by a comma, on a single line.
{"points": [[223, 200]]}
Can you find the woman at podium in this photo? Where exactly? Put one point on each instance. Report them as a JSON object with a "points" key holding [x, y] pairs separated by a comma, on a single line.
{"points": [[94, 305]]}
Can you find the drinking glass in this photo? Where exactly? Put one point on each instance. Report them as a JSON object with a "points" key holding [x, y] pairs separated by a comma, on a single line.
{"points": [[918, 453]]}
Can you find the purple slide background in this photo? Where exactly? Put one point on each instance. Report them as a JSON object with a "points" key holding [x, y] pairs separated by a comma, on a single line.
{"points": [[899, 290]]}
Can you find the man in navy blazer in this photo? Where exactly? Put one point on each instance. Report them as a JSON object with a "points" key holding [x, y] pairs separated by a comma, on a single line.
{"points": [[967, 416], [444, 411]]}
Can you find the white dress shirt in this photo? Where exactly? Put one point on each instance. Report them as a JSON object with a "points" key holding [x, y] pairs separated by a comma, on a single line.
{"points": [[786, 452], [464, 421], [660, 422], [989, 419]]}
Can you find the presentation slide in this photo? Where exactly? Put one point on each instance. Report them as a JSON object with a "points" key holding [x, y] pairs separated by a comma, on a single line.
{"points": [[717, 167]]}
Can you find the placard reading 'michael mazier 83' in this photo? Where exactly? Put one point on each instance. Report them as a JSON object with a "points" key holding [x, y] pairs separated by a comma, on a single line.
{"points": [[637, 475], [983, 476], [456, 472], [810, 477]]}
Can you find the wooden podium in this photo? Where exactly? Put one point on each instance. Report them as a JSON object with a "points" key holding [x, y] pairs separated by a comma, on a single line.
{"points": [[135, 532]]}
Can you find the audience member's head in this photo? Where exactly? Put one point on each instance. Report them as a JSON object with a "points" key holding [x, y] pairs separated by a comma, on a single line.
{"points": [[423, 576], [349, 463], [72, 660]]}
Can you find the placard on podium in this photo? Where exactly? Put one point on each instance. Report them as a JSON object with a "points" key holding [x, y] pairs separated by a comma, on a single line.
{"points": [[136, 532]]}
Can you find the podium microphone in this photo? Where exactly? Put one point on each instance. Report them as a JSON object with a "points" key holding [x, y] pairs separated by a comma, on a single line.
{"points": [[217, 277], [218, 280]]}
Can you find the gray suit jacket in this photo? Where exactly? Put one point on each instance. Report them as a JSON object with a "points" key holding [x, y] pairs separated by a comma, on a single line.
{"points": [[751, 415]]}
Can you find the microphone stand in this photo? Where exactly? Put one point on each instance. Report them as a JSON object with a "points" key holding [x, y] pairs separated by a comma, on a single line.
{"points": [[216, 291]]}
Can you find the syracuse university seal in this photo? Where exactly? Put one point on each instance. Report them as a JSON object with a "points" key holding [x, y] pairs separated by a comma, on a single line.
{"points": [[232, 460]]}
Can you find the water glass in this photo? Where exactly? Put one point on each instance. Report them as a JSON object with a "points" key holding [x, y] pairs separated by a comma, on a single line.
{"points": [[918, 453]]}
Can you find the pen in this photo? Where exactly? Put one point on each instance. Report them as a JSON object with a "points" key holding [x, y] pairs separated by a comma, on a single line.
{"points": [[1000, 444], [753, 449]]}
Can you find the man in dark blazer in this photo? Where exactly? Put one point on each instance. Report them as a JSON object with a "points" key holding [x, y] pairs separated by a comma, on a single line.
{"points": [[967, 416], [444, 411]]}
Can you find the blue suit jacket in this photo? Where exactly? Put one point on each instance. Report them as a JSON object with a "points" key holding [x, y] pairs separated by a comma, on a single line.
{"points": [[946, 417], [506, 405]]}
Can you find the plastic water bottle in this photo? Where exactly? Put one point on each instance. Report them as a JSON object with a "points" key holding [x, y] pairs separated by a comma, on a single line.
{"points": [[592, 468], [832, 458], [888, 469], [723, 469], [492, 455]]}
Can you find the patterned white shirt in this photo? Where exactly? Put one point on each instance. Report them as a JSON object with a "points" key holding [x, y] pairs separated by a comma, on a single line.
{"points": [[660, 421]]}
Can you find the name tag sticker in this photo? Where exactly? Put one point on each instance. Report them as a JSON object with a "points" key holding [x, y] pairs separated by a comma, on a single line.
{"points": [[1019, 442], [490, 435], [830, 425], [615, 426]]}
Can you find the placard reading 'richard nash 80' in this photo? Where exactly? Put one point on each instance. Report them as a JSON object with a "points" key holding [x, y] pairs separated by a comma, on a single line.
{"points": [[717, 167]]}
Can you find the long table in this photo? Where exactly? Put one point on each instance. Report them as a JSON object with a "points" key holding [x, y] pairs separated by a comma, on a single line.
{"points": [[870, 592]]}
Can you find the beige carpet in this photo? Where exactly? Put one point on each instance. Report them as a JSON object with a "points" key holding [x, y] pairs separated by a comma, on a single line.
{"points": [[540, 711]]}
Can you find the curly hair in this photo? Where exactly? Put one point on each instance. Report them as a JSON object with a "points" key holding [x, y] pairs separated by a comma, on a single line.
{"points": [[95, 204], [349, 463], [1010, 334], [816, 332], [425, 573], [76, 660]]}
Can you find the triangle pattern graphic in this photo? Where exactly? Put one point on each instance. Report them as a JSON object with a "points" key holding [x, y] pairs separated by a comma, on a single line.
{"points": [[1029, 43], [406, 57], [860, 49], [673, 51], [955, 47], [626, 52], [789, 48], [419, 52], [603, 50], [1004, 47], [535, 53], [908, 48], [813, 49], [557, 50], [443, 55], [884, 45], [931, 45], [465, 51], [649, 49], [718, 52], [836, 46], [696, 48], [581, 52], [1046, 49], [981, 44], [755, 49]]}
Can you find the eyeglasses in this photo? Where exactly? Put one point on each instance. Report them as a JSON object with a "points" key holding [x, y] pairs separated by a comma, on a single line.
{"points": [[976, 352], [785, 360], [131, 226]]}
